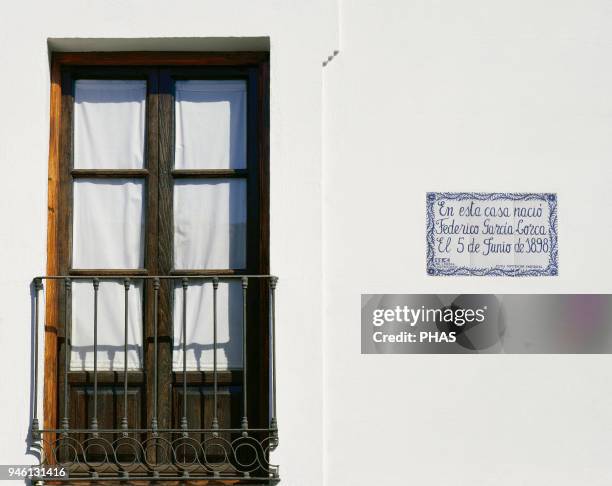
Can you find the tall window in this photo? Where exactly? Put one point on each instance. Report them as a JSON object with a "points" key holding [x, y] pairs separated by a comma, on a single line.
{"points": [[163, 173]]}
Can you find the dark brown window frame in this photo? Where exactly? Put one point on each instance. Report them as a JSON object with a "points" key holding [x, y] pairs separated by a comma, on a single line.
{"points": [[257, 62]]}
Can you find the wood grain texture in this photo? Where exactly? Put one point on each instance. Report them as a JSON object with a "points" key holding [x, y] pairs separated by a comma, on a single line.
{"points": [[261, 405], [140, 58], [107, 272], [209, 173], [108, 173], [164, 245], [152, 164], [64, 234], [51, 307]]}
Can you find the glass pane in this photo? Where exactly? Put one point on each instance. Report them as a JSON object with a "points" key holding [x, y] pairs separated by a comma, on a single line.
{"points": [[200, 327], [111, 321], [109, 124], [210, 124], [210, 224], [108, 224]]}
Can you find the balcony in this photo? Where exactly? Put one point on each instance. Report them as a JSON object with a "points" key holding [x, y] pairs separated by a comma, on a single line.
{"points": [[104, 445]]}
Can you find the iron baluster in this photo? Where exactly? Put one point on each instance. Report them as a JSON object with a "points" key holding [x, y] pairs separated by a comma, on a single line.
{"points": [[155, 309], [245, 420], [65, 424], [124, 420], [94, 419], [273, 421], [215, 422], [185, 283], [38, 286]]}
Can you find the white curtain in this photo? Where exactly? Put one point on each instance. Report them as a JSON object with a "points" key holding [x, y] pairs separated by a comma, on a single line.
{"points": [[210, 218], [209, 233], [210, 224], [108, 223], [210, 124], [108, 219], [111, 322], [200, 327], [109, 121]]}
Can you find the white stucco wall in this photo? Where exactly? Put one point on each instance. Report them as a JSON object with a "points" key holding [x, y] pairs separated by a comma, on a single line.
{"points": [[301, 36], [463, 96]]}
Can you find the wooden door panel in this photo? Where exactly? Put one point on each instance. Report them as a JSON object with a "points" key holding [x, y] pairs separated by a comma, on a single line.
{"points": [[110, 406]]}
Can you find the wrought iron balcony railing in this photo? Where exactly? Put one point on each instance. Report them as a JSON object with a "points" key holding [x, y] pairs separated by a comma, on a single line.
{"points": [[237, 453]]}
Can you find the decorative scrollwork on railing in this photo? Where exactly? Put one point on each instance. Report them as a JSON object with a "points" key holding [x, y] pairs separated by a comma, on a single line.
{"points": [[235, 454], [93, 453]]}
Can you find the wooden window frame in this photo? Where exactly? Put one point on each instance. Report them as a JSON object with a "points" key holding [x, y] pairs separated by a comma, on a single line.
{"points": [[59, 61]]}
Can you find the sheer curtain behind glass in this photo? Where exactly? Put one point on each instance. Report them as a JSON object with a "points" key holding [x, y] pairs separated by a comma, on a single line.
{"points": [[210, 217], [109, 120], [108, 218], [210, 124]]}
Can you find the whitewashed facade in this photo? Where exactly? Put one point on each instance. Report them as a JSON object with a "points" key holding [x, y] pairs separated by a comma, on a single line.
{"points": [[372, 104]]}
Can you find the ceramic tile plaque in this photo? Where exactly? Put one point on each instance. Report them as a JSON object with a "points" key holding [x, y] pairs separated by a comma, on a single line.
{"points": [[492, 234]]}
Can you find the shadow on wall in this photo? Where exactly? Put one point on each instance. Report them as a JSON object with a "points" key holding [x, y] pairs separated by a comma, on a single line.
{"points": [[33, 371], [160, 44]]}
